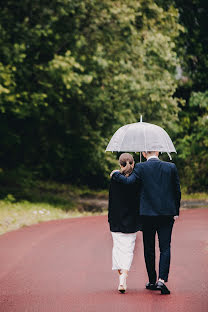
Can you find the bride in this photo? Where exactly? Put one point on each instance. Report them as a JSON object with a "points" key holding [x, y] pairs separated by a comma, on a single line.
{"points": [[124, 220]]}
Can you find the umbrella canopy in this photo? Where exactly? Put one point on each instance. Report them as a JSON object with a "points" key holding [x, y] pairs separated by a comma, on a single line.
{"points": [[141, 137]]}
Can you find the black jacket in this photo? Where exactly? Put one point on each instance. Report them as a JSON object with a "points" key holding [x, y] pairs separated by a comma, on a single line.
{"points": [[123, 207], [160, 187]]}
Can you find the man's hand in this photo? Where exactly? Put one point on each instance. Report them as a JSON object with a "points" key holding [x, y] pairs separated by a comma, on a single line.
{"points": [[175, 218], [113, 172]]}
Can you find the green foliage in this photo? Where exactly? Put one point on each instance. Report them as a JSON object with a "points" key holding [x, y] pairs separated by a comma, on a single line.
{"points": [[9, 198], [193, 145], [72, 72], [192, 49], [193, 43]]}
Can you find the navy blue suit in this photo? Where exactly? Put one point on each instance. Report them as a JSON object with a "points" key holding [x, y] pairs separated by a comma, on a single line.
{"points": [[159, 201], [160, 187]]}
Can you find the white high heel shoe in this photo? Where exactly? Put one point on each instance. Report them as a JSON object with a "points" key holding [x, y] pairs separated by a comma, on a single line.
{"points": [[122, 283]]}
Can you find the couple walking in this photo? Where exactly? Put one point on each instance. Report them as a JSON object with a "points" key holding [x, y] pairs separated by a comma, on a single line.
{"points": [[145, 197]]}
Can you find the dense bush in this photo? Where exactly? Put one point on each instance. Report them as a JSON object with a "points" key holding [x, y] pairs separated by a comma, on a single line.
{"points": [[72, 72]]}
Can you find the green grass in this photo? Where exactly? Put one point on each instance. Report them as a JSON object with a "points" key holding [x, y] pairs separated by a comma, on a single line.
{"points": [[44, 201], [16, 215], [195, 196]]}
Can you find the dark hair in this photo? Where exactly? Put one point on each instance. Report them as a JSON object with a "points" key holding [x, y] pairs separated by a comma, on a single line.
{"points": [[126, 160]]}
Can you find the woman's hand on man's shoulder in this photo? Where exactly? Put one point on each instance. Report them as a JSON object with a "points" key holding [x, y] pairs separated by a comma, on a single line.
{"points": [[113, 172]]}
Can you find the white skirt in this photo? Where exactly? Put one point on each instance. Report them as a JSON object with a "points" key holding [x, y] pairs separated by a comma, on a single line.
{"points": [[123, 250]]}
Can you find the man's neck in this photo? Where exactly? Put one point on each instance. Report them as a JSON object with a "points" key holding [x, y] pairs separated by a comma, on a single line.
{"points": [[153, 156]]}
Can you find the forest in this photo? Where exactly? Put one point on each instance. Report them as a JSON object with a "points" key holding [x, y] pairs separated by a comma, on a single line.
{"points": [[72, 72]]}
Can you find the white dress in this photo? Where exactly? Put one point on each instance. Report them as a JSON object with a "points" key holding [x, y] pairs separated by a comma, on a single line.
{"points": [[123, 250]]}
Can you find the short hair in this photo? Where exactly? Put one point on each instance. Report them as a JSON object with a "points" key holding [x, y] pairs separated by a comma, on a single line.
{"points": [[150, 152]]}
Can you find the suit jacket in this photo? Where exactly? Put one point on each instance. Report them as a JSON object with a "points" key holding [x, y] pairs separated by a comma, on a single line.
{"points": [[123, 207], [160, 193]]}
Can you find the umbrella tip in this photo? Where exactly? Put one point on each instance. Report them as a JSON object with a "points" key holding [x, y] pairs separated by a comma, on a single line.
{"points": [[140, 118]]}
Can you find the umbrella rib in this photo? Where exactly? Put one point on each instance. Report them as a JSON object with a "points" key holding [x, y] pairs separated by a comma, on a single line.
{"points": [[167, 144], [145, 141], [124, 137]]}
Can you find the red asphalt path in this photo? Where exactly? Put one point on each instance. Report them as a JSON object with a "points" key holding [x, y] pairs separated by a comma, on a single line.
{"points": [[65, 265]]}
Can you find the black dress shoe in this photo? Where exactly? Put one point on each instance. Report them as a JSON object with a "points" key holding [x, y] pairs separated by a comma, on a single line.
{"points": [[151, 286], [164, 290]]}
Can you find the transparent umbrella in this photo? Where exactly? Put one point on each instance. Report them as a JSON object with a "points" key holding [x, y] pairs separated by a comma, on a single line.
{"points": [[141, 137]]}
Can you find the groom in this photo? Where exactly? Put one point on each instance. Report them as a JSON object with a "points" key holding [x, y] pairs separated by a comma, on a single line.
{"points": [[159, 207]]}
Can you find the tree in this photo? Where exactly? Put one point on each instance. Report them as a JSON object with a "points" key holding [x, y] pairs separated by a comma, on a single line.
{"points": [[192, 49], [193, 145], [75, 71]]}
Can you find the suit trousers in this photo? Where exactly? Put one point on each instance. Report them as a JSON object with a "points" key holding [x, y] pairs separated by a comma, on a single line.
{"points": [[162, 225]]}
